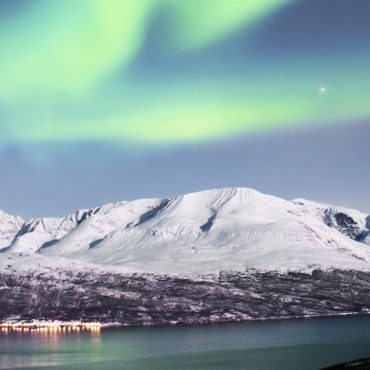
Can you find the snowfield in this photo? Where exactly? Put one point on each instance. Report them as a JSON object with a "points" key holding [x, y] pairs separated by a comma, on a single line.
{"points": [[201, 233]]}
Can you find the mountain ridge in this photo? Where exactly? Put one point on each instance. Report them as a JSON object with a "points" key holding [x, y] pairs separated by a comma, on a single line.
{"points": [[207, 231]]}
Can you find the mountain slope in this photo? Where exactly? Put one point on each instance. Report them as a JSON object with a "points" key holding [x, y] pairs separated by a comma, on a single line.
{"points": [[204, 232], [9, 226]]}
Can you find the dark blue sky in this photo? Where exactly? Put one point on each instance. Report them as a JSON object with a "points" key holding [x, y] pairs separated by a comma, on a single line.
{"points": [[327, 164]]}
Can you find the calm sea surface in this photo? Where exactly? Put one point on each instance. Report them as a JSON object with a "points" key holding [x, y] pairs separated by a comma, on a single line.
{"points": [[289, 344]]}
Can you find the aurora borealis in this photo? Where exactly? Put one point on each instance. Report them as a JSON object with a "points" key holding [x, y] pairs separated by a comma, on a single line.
{"points": [[174, 70], [154, 75]]}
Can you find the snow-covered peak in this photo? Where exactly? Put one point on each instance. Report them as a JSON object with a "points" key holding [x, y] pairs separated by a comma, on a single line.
{"points": [[9, 226], [6, 219], [207, 231], [34, 233]]}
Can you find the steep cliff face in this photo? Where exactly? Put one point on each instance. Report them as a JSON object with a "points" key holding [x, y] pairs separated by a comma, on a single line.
{"points": [[344, 223]]}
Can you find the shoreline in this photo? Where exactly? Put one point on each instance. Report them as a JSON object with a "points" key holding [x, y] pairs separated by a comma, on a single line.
{"points": [[69, 326]]}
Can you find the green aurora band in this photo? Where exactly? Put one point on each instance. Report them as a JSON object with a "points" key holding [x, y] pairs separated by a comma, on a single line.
{"points": [[70, 70]]}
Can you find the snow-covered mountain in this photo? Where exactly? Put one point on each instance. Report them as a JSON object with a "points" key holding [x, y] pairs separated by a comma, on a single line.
{"points": [[221, 255], [204, 232]]}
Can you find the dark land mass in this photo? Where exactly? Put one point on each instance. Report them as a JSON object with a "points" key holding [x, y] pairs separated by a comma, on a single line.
{"points": [[152, 299], [361, 364]]}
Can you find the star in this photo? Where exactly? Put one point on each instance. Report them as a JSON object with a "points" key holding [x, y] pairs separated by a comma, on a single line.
{"points": [[323, 90]]}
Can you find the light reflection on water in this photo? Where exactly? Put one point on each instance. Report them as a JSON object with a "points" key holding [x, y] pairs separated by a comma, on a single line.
{"points": [[290, 345], [46, 347]]}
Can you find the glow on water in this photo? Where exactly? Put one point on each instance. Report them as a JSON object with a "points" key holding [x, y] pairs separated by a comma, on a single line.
{"points": [[271, 345]]}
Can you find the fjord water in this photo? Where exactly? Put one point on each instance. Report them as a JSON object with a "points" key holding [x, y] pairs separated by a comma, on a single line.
{"points": [[305, 344]]}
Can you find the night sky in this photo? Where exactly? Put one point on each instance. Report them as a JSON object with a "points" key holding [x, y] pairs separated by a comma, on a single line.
{"points": [[106, 100]]}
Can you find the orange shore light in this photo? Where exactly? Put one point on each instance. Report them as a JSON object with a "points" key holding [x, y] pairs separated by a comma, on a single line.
{"points": [[50, 326]]}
